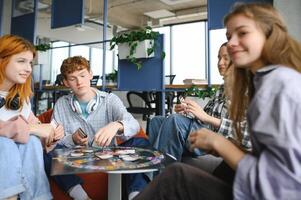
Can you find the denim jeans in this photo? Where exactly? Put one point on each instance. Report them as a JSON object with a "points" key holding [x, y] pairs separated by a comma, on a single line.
{"points": [[134, 182], [22, 170], [65, 182], [170, 135]]}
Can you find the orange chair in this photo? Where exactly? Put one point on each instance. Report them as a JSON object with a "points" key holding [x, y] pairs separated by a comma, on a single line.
{"points": [[95, 184]]}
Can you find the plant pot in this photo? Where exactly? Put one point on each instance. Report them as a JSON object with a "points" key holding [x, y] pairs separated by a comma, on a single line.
{"points": [[141, 50]]}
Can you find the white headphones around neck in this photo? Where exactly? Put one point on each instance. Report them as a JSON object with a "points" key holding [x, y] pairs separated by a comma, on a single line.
{"points": [[92, 105]]}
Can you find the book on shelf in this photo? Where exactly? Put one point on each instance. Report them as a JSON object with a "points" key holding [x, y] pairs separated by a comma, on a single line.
{"points": [[194, 81]]}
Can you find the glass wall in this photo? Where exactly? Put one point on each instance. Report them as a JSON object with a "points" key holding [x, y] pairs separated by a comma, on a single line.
{"points": [[184, 45], [57, 57], [93, 54]]}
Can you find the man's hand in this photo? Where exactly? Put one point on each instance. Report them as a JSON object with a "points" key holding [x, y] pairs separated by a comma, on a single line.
{"points": [[78, 139], [104, 136]]}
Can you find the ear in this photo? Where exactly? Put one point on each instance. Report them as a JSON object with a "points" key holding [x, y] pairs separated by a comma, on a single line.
{"points": [[66, 83]]}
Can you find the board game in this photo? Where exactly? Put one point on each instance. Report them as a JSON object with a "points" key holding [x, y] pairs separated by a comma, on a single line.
{"points": [[109, 159]]}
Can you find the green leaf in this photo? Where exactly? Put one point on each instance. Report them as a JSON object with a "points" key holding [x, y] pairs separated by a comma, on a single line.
{"points": [[132, 38]]}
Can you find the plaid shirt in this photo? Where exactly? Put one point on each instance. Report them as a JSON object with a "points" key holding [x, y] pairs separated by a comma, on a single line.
{"points": [[218, 108]]}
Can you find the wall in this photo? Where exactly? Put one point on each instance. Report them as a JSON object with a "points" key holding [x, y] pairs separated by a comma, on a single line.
{"points": [[290, 10]]}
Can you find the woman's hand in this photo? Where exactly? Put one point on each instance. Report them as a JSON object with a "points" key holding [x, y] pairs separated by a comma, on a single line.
{"points": [[216, 144], [42, 130], [179, 108], [195, 109], [205, 140], [58, 133]]}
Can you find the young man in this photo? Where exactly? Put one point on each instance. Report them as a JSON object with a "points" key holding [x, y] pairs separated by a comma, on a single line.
{"points": [[100, 115]]}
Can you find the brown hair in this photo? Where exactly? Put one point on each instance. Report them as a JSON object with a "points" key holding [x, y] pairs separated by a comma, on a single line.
{"points": [[73, 64], [279, 48], [9, 46], [228, 76]]}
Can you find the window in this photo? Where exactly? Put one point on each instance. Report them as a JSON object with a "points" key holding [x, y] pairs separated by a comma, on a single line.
{"points": [[59, 54], [188, 47], [57, 57], [96, 61], [217, 38], [80, 50]]}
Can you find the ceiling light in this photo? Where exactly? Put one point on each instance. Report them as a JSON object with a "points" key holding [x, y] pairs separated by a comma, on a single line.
{"points": [[157, 14]]}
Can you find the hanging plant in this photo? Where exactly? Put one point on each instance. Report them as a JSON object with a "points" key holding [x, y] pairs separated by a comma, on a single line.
{"points": [[132, 39], [42, 47], [200, 93]]}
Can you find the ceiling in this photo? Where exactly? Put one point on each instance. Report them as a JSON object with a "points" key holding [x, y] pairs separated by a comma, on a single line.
{"points": [[130, 14]]}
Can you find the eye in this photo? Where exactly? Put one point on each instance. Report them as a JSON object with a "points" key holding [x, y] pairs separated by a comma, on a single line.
{"points": [[242, 33]]}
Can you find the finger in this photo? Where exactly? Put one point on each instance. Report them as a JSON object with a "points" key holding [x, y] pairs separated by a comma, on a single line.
{"points": [[100, 140], [108, 142], [192, 134], [103, 141]]}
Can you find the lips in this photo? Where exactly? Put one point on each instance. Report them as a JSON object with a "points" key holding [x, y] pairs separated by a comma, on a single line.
{"points": [[25, 76]]}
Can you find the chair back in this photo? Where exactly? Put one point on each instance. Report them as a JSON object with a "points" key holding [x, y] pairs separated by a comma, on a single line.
{"points": [[94, 80]]}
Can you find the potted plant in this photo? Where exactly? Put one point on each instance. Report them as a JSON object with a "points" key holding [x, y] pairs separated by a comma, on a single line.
{"points": [[134, 42], [111, 77], [199, 95], [194, 91]]}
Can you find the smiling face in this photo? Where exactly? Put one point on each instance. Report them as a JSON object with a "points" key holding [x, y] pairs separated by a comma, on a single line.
{"points": [[223, 60], [245, 42], [18, 69]]}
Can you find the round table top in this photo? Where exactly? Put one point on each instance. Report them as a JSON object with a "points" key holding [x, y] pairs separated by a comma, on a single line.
{"points": [[108, 160]]}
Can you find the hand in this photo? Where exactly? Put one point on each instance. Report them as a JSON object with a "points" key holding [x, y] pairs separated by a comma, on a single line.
{"points": [[104, 136], [180, 108], [78, 139], [58, 133], [205, 140], [47, 130], [195, 109]]}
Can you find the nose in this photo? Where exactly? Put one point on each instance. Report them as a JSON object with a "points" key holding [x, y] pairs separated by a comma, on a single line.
{"points": [[79, 81], [220, 62], [233, 41], [28, 67]]}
